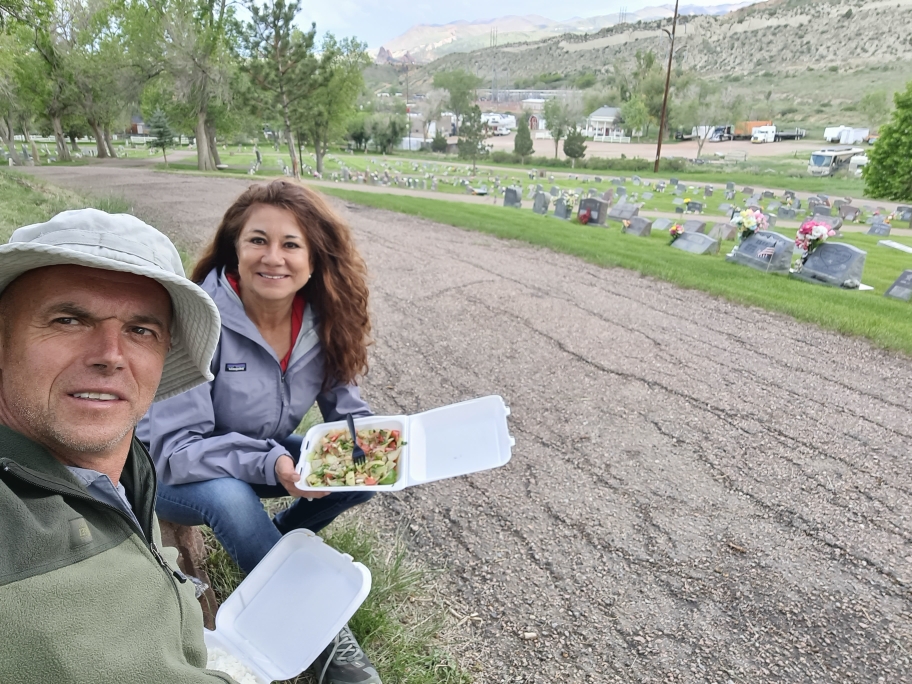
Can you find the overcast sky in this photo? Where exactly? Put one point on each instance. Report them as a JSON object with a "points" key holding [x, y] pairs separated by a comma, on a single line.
{"points": [[379, 21]]}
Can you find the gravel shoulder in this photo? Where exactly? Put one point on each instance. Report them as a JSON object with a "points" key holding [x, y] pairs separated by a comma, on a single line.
{"points": [[700, 492]]}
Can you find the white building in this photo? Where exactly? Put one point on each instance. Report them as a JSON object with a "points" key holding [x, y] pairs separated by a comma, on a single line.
{"points": [[604, 121]]}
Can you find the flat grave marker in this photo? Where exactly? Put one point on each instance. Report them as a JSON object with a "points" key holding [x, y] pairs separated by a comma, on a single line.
{"points": [[639, 226], [902, 288], [834, 264], [694, 226], [623, 212], [724, 231]]}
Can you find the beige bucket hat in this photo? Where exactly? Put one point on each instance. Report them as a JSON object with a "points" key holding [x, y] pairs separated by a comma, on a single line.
{"points": [[120, 242]]}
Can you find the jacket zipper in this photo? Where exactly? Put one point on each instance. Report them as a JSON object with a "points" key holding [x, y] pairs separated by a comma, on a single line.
{"points": [[153, 549]]}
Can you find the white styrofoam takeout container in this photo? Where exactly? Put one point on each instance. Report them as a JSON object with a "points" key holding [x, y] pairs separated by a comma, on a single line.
{"points": [[453, 440], [289, 607]]}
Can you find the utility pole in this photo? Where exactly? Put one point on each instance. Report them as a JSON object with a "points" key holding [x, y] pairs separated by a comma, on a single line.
{"points": [[674, 25]]}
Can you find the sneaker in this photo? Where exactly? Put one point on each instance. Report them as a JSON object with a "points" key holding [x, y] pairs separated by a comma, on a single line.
{"points": [[343, 662]]}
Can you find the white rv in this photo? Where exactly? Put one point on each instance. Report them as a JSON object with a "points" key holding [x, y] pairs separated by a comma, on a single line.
{"points": [[829, 160]]}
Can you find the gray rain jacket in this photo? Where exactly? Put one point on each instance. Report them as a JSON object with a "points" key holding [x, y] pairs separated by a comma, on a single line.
{"points": [[230, 427]]}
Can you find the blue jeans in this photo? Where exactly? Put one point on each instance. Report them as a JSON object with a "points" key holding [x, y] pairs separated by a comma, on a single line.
{"points": [[232, 508]]}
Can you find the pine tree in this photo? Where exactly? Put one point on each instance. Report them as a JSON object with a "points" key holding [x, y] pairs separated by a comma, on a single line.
{"points": [[439, 143], [575, 145], [471, 135], [523, 145], [162, 135], [888, 173]]}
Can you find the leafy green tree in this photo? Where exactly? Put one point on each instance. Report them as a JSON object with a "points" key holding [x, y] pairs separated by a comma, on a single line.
{"points": [[281, 61], [387, 130], [337, 83], [461, 85], [557, 120], [575, 145], [522, 144], [358, 130], [162, 135], [888, 173], [635, 115], [439, 143], [875, 108], [472, 135]]}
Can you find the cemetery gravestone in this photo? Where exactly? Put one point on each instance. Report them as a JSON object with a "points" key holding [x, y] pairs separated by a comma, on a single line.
{"points": [[748, 191], [834, 263], [902, 288], [695, 207], [674, 181], [822, 210], [880, 229], [725, 208], [786, 213], [562, 209], [696, 243], [694, 226], [608, 196], [648, 195], [541, 203], [708, 191], [678, 190], [677, 201], [660, 187], [639, 226], [730, 186], [833, 222], [764, 251], [849, 213], [729, 195], [598, 210], [593, 192], [555, 191], [598, 179], [773, 206], [623, 212], [724, 231], [767, 194], [661, 224], [512, 198]]}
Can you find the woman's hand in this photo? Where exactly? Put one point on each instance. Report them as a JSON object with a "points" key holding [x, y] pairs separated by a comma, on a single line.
{"points": [[288, 477]]}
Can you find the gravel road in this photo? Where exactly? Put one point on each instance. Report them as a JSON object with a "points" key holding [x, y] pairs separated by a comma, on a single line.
{"points": [[700, 492]]}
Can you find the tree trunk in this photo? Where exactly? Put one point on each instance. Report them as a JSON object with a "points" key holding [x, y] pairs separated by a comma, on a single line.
{"points": [[292, 152], [99, 139], [6, 135], [109, 143], [63, 154], [204, 161], [73, 143], [213, 146], [319, 151], [36, 160], [556, 143]]}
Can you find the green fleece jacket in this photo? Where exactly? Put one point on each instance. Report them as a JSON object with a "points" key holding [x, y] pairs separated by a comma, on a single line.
{"points": [[85, 596]]}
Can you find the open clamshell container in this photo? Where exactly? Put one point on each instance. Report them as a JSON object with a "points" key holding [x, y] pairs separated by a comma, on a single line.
{"points": [[453, 440], [289, 607]]}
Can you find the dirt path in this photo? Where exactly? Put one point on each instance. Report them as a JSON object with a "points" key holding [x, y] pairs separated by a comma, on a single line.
{"points": [[700, 492]]}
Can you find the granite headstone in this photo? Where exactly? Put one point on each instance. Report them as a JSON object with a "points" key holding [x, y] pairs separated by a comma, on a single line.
{"points": [[834, 263], [696, 243], [764, 251]]}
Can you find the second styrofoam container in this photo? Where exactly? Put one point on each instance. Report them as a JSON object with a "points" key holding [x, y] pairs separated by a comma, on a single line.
{"points": [[290, 606], [453, 440]]}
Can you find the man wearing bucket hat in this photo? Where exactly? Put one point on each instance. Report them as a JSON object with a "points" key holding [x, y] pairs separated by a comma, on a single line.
{"points": [[96, 322]]}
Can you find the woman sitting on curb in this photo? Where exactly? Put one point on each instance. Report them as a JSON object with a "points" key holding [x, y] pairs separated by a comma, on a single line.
{"points": [[291, 290]]}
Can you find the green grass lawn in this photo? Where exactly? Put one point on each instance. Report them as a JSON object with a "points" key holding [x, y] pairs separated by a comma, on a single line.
{"points": [[885, 322]]}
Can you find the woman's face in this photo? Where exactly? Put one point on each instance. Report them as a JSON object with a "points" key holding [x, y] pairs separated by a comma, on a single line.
{"points": [[273, 259]]}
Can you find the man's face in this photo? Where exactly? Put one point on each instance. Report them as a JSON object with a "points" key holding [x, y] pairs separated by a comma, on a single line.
{"points": [[81, 356]]}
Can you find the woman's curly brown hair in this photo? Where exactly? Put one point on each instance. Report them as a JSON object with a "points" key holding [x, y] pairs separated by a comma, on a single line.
{"points": [[337, 290]]}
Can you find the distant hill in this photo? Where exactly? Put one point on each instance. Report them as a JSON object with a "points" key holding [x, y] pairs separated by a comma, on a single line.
{"points": [[424, 43], [810, 59]]}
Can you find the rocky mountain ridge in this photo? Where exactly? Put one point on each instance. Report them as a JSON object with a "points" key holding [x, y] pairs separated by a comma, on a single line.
{"points": [[425, 42], [784, 38]]}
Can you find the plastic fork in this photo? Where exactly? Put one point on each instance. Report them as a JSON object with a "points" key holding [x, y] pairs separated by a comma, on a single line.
{"points": [[358, 455]]}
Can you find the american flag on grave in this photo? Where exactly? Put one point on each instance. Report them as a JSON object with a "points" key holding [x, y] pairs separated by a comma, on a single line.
{"points": [[767, 252]]}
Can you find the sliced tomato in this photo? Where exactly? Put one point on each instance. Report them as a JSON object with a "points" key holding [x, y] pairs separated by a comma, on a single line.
{"points": [[369, 481]]}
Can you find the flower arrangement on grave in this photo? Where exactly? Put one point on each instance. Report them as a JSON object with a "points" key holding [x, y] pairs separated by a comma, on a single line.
{"points": [[626, 224], [749, 222], [811, 235], [676, 231], [584, 216]]}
